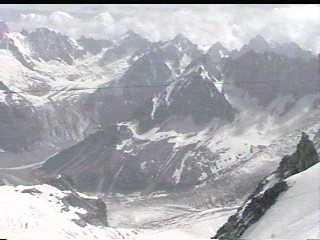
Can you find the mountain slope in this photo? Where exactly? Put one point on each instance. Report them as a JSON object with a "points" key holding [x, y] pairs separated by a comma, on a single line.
{"points": [[270, 191], [297, 208], [33, 212], [267, 76]]}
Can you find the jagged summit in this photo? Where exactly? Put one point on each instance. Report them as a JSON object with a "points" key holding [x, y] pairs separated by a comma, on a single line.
{"points": [[50, 45], [259, 44], [132, 39], [131, 32], [304, 157], [258, 39], [43, 30], [217, 45], [293, 50], [217, 51], [132, 35], [180, 38]]}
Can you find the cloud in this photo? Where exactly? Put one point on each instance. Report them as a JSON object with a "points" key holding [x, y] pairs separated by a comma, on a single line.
{"points": [[232, 25], [55, 20], [104, 17]]}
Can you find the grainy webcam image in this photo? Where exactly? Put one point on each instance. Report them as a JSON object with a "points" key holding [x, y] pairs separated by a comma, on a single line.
{"points": [[159, 121]]}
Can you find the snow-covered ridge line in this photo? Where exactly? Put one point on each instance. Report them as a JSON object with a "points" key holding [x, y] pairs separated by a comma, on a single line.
{"points": [[33, 212], [271, 191]]}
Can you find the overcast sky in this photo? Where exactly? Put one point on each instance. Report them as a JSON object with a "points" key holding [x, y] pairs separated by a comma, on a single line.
{"points": [[232, 25]]}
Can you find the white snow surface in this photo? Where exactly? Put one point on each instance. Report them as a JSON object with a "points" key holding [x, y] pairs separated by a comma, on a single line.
{"points": [[25, 216], [54, 80], [162, 222], [296, 213]]}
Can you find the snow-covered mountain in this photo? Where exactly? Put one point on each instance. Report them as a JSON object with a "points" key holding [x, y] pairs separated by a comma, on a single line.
{"points": [[171, 99], [46, 76], [48, 45], [130, 116], [268, 76], [259, 44], [142, 97]]}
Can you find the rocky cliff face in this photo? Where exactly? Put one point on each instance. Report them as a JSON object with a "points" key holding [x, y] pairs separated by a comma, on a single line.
{"points": [[304, 157], [94, 46], [125, 47], [18, 123], [268, 190], [266, 76], [49, 45], [96, 212], [193, 95]]}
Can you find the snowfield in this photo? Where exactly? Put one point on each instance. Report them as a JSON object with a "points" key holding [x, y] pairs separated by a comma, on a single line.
{"points": [[296, 213], [39, 215]]}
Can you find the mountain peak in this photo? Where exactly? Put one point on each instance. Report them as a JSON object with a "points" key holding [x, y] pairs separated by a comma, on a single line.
{"points": [[181, 38], [258, 37], [217, 51], [131, 38], [131, 33], [258, 40], [3, 27], [43, 30], [217, 47], [293, 50], [304, 157], [258, 44]]}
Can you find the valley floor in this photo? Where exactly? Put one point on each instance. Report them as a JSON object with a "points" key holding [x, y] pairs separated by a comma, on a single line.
{"points": [[156, 220]]}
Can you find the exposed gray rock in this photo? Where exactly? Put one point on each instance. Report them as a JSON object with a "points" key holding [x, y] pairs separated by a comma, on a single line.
{"points": [[267, 76], [94, 46], [49, 45], [268, 190], [304, 157], [126, 46], [96, 212]]}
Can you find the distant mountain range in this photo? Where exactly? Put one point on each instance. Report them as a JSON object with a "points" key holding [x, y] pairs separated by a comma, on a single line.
{"points": [[144, 114]]}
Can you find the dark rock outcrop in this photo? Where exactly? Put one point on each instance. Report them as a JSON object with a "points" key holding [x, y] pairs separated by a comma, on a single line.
{"points": [[96, 211], [304, 157], [126, 46], [268, 190], [267, 76], [250, 213], [189, 96], [94, 46], [49, 45], [19, 126]]}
